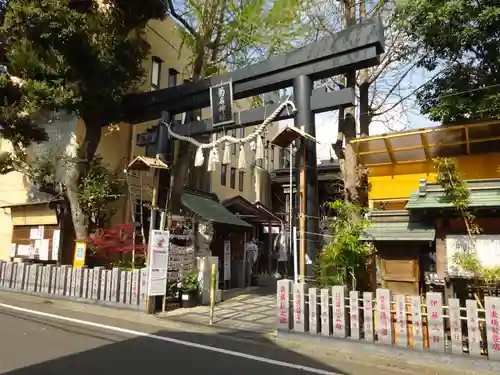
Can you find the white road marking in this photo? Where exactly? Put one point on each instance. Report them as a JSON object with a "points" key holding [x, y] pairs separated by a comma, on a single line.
{"points": [[172, 340]]}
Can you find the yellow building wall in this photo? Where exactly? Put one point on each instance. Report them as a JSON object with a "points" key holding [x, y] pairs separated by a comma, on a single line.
{"points": [[398, 181], [33, 215], [12, 191]]}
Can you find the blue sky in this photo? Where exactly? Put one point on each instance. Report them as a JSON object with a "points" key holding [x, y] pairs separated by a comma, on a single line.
{"points": [[402, 117]]}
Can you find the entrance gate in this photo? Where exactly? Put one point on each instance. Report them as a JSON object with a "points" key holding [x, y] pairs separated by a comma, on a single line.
{"points": [[352, 49]]}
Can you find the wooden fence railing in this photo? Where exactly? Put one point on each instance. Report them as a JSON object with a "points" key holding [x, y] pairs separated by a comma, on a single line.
{"points": [[406, 321], [117, 287]]}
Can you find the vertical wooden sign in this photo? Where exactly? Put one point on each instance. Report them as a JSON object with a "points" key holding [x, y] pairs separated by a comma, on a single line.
{"points": [[115, 284], [143, 287], [354, 314], [7, 275], [96, 283], [368, 316], [134, 294], [339, 315], [492, 312], [129, 287], [123, 286], [326, 316], [85, 285], [473, 328], [435, 324], [300, 313], [416, 322], [104, 284], [2, 272], [39, 278], [384, 326], [54, 274], [109, 281], [313, 311], [402, 327], [455, 326]]}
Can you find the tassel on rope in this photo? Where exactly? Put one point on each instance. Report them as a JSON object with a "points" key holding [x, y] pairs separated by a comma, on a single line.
{"points": [[242, 161], [226, 157], [199, 159], [259, 152], [213, 159]]}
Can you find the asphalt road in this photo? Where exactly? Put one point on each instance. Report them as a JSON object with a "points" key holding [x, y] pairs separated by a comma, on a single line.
{"points": [[37, 345], [38, 338]]}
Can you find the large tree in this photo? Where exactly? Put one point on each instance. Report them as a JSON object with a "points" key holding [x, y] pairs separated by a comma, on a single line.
{"points": [[224, 35], [79, 56], [462, 38]]}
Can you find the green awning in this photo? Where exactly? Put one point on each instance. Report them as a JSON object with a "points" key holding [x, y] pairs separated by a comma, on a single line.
{"points": [[211, 210], [483, 194], [398, 231]]}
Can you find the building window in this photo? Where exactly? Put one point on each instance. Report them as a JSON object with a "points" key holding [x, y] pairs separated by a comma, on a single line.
{"points": [[155, 73], [223, 175], [241, 180], [233, 178]]}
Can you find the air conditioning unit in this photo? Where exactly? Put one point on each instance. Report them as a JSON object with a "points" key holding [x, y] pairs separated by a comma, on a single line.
{"points": [[144, 139]]}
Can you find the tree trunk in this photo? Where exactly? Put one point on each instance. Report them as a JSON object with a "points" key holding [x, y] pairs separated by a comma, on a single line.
{"points": [[184, 155], [349, 162], [79, 169]]}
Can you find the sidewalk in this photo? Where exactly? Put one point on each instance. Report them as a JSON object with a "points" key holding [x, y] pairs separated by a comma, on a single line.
{"points": [[248, 311]]}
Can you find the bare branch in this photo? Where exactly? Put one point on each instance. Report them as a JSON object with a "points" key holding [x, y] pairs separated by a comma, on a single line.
{"points": [[181, 19], [413, 92]]}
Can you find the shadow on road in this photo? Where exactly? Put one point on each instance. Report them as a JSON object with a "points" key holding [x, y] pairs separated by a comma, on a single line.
{"points": [[167, 352]]}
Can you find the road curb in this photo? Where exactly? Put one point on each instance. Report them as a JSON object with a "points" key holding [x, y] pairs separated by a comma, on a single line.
{"points": [[412, 357]]}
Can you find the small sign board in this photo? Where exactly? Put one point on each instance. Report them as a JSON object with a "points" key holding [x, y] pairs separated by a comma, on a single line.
{"points": [[158, 262], [227, 260], [80, 252], [221, 103]]}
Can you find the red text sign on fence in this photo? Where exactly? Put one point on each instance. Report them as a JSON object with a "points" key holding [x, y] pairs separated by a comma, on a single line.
{"points": [[435, 322], [384, 329], [339, 327], [283, 304], [492, 310]]}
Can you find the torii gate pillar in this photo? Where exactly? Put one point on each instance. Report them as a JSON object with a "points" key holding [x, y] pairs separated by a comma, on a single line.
{"points": [[306, 167]]}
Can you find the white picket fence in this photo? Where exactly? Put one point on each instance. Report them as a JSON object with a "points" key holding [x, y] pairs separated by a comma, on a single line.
{"points": [[116, 286], [391, 319]]}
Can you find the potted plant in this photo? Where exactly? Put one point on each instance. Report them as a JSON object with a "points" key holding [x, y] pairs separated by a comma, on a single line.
{"points": [[189, 290]]}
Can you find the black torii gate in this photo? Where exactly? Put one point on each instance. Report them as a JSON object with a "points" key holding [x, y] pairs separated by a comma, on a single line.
{"points": [[349, 50]]}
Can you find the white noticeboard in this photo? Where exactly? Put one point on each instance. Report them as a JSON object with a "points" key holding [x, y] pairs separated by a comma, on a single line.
{"points": [[227, 260], [56, 235], [13, 250], [158, 262], [487, 248]]}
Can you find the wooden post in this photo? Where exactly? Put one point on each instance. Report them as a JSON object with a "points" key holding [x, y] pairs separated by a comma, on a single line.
{"points": [[270, 248], [212, 294], [302, 221]]}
